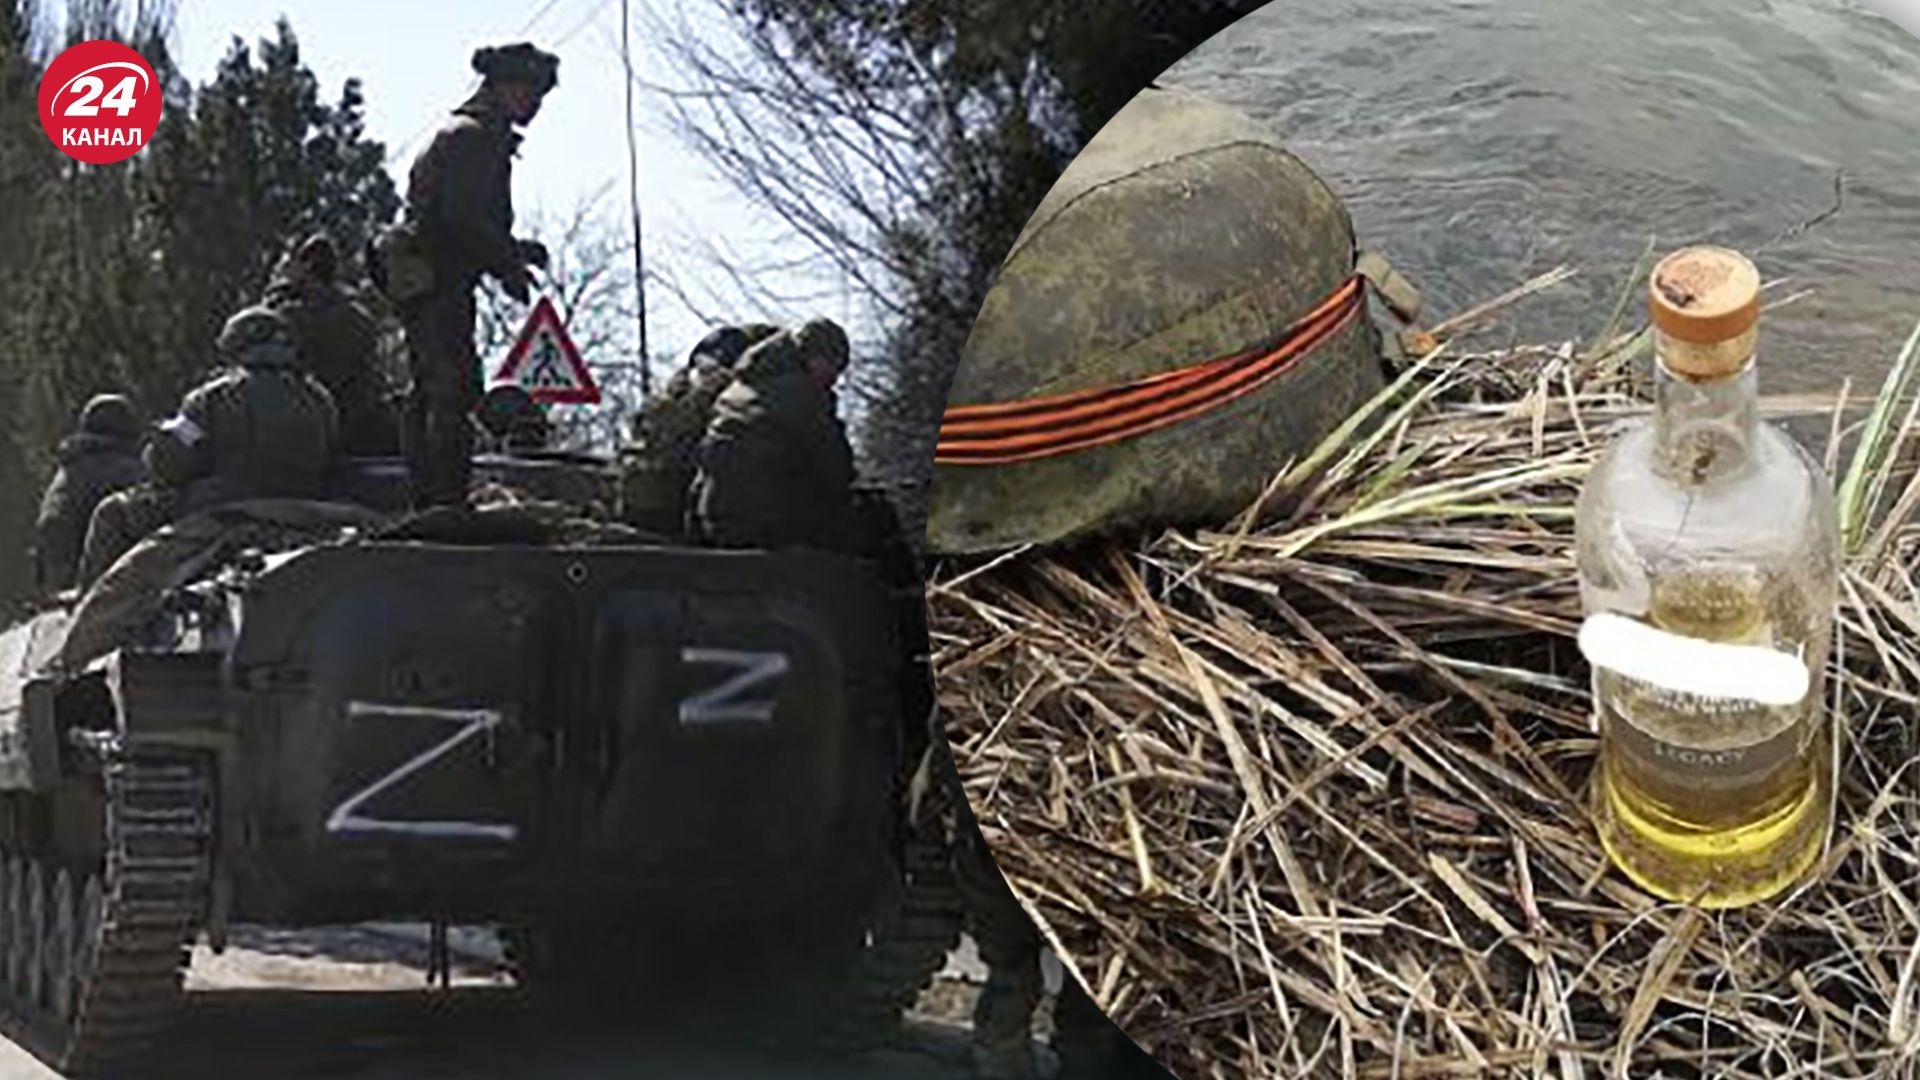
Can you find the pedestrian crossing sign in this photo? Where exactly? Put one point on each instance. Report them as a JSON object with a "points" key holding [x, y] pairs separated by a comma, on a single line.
{"points": [[546, 362]]}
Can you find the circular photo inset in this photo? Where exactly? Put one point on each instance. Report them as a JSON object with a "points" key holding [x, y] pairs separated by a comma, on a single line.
{"points": [[1425, 526]]}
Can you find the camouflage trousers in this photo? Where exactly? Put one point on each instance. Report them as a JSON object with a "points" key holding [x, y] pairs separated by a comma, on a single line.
{"points": [[437, 429], [1086, 1041]]}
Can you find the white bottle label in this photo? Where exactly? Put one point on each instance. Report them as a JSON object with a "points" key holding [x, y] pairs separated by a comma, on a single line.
{"points": [[1691, 666]]}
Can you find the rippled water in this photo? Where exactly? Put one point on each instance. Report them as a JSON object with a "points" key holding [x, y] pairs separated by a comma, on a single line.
{"points": [[1479, 142]]}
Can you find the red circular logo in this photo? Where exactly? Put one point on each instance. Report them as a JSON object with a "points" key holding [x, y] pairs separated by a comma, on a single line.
{"points": [[100, 102]]}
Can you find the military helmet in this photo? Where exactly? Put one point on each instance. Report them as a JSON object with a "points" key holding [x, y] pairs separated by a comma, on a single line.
{"points": [[509, 413], [722, 347], [1185, 233], [110, 415], [318, 256], [823, 340], [258, 335], [315, 259], [518, 63]]}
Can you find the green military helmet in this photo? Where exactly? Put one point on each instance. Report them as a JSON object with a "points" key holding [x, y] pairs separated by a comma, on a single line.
{"points": [[755, 333], [823, 341], [722, 346], [110, 415], [1184, 233], [258, 336], [520, 62], [516, 421]]}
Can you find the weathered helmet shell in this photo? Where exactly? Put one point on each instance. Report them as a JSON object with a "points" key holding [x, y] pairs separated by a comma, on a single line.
{"points": [[824, 341], [110, 415], [257, 334], [520, 62], [723, 346], [1183, 233], [508, 409]]}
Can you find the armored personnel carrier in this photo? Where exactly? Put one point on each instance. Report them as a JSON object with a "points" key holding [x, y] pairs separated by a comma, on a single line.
{"points": [[607, 745]]}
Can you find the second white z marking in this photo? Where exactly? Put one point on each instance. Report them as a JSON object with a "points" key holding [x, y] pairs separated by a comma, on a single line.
{"points": [[346, 818], [727, 703]]}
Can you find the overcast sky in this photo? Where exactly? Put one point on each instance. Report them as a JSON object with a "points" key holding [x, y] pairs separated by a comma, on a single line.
{"points": [[412, 57]]}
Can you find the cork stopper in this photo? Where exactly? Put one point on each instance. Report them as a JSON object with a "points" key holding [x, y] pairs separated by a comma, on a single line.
{"points": [[1706, 309]]}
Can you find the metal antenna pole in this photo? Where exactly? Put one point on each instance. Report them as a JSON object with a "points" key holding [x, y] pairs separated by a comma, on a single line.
{"points": [[633, 198]]}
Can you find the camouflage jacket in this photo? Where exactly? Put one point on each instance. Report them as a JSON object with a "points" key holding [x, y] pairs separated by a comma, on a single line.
{"points": [[339, 344], [252, 433], [669, 428], [658, 468], [91, 468], [775, 465], [460, 194]]}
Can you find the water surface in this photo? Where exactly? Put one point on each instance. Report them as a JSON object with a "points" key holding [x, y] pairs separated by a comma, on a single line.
{"points": [[1479, 142]]}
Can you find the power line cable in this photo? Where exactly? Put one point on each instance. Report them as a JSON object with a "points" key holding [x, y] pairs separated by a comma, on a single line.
{"points": [[633, 199], [537, 16], [584, 23]]}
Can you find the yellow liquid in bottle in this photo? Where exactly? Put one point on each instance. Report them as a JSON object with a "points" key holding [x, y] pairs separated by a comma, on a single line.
{"points": [[1709, 801]]}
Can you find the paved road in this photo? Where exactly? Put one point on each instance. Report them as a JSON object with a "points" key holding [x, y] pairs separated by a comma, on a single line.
{"points": [[351, 1005]]}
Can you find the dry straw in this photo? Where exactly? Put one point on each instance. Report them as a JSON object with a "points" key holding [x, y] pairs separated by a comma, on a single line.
{"points": [[1306, 797]]}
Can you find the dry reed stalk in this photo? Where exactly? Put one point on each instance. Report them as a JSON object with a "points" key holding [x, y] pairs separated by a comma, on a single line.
{"points": [[1305, 796]]}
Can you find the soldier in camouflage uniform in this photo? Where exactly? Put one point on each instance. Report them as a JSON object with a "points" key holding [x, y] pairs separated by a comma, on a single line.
{"points": [[458, 227], [1089, 1045], [776, 469], [101, 458], [657, 470], [264, 429], [339, 344]]}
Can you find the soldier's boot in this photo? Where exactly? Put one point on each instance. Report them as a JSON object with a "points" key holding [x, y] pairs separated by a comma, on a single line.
{"points": [[1091, 1046], [1003, 1020]]}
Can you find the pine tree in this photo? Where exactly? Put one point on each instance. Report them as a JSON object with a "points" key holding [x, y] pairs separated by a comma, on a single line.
{"points": [[118, 277]]}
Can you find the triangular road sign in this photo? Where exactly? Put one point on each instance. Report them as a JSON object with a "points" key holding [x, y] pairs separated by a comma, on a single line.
{"points": [[546, 362]]}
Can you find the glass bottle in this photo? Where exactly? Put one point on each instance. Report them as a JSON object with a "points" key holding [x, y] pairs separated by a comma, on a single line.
{"points": [[1707, 545]]}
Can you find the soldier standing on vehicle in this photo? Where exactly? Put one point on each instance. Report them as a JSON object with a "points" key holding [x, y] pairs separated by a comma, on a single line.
{"points": [[776, 469], [101, 458], [265, 429], [657, 469], [339, 344], [458, 227]]}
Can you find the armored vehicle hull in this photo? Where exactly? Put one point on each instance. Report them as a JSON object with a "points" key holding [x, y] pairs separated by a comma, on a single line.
{"points": [[601, 748]]}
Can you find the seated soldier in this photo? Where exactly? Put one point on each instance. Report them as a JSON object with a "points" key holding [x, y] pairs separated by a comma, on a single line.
{"points": [[657, 471], [339, 343], [775, 467], [101, 458], [262, 430]]}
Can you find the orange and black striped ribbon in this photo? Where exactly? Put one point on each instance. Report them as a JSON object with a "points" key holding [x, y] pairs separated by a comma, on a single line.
{"points": [[1015, 431]]}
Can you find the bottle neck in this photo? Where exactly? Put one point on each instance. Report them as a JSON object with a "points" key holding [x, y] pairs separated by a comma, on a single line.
{"points": [[1704, 428]]}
